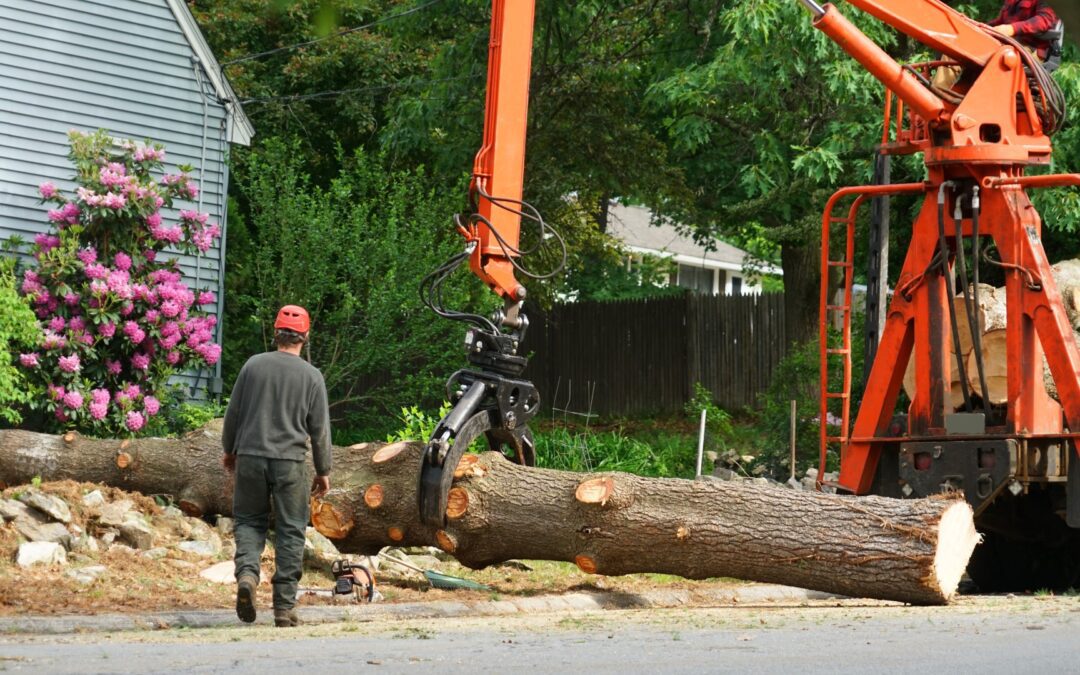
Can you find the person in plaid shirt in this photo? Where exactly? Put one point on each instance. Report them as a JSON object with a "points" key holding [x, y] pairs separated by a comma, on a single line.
{"points": [[1025, 20]]}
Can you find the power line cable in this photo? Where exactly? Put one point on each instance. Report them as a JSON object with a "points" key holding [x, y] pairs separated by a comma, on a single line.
{"points": [[385, 19], [330, 93]]}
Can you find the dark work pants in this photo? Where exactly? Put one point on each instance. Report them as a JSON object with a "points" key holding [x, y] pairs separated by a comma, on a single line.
{"points": [[257, 480]]}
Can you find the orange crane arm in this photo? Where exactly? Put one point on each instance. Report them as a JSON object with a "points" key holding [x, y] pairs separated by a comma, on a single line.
{"points": [[935, 24], [499, 168]]}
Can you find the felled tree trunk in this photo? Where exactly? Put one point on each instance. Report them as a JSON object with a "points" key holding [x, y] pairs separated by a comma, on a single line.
{"points": [[908, 550]]}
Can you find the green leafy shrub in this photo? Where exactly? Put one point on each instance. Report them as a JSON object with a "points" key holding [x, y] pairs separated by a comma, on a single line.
{"points": [[717, 420], [417, 425], [180, 416], [662, 454], [353, 253], [797, 378], [19, 330]]}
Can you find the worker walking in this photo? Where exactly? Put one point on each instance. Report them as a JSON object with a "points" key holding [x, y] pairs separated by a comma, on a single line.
{"points": [[278, 405]]}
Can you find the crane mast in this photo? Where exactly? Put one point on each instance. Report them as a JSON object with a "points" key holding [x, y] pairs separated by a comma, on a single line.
{"points": [[977, 139]]}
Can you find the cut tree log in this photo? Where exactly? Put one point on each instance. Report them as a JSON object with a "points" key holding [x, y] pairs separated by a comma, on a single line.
{"points": [[990, 315], [908, 550], [995, 344]]}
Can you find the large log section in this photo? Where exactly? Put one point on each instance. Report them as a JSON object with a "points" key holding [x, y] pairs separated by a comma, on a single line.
{"points": [[908, 550]]}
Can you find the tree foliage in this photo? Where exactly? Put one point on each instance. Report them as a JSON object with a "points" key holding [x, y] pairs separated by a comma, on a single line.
{"points": [[736, 118], [19, 330], [352, 252]]}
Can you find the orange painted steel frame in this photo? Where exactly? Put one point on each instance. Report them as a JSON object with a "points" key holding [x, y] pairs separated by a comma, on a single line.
{"points": [[499, 168], [984, 140]]}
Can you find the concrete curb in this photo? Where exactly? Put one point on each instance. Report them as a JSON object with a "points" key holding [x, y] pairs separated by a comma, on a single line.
{"points": [[569, 602]]}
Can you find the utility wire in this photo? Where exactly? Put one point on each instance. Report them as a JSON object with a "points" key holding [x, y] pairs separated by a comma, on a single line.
{"points": [[385, 19], [330, 93]]}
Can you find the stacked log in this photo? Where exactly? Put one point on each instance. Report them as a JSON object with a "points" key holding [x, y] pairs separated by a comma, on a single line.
{"points": [[991, 316]]}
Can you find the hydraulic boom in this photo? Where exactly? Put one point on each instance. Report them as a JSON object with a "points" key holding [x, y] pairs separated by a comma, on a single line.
{"points": [[491, 399]]}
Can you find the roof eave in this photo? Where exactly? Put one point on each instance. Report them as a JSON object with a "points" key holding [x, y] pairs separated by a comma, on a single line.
{"points": [[240, 129]]}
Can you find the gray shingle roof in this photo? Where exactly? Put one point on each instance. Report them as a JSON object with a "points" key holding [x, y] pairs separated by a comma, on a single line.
{"points": [[633, 226]]}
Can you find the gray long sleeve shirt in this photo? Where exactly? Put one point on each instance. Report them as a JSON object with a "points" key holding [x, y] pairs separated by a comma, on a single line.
{"points": [[279, 402]]}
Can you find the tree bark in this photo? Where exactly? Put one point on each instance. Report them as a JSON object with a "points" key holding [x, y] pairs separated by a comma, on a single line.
{"points": [[802, 285], [907, 550]]}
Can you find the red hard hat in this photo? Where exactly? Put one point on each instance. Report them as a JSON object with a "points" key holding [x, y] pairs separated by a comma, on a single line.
{"points": [[293, 317]]}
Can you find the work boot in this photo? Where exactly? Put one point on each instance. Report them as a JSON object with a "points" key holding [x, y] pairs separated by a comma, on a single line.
{"points": [[286, 618], [245, 597]]}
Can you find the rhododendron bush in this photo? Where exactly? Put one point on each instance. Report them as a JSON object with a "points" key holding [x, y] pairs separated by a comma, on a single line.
{"points": [[118, 319]]}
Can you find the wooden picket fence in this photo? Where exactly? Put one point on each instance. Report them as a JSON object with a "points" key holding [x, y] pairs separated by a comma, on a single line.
{"points": [[640, 357]]}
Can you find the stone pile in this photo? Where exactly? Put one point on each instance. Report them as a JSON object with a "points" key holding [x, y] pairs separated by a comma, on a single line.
{"points": [[49, 533], [73, 536], [731, 466]]}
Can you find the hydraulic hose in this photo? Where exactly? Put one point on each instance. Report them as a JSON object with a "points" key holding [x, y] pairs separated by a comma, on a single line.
{"points": [[951, 290], [976, 334], [970, 307]]}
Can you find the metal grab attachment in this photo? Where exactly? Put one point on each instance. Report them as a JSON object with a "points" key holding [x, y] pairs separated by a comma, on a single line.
{"points": [[489, 402]]}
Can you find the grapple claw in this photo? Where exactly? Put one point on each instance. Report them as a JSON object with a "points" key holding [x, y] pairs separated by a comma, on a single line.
{"points": [[493, 406]]}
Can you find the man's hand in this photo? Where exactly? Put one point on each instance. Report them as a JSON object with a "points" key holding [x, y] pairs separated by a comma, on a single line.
{"points": [[1006, 29], [320, 486], [228, 460]]}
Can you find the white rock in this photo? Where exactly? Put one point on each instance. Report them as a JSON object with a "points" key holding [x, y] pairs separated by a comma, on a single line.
{"points": [[794, 483], [221, 573], [85, 543], [318, 547], [109, 536], [225, 526], [200, 531], [174, 525], [93, 500], [11, 509], [35, 526], [115, 514], [51, 505], [137, 532], [726, 474], [122, 548], [156, 553], [203, 548], [182, 565], [172, 512], [86, 575], [40, 553]]}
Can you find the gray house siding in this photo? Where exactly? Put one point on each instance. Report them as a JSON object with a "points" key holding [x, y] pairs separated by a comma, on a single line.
{"points": [[123, 65]]}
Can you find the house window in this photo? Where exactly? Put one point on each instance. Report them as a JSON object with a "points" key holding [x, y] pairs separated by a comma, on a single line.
{"points": [[697, 279], [736, 285]]}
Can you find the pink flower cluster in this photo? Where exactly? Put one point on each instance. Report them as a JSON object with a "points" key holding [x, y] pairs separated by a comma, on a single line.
{"points": [[117, 320], [147, 154]]}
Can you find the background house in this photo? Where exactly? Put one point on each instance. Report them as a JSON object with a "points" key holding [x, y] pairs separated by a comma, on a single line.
{"points": [[139, 68], [716, 272]]}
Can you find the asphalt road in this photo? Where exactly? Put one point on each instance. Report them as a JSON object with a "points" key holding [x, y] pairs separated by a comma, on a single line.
{"points": [[982, 635]]}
